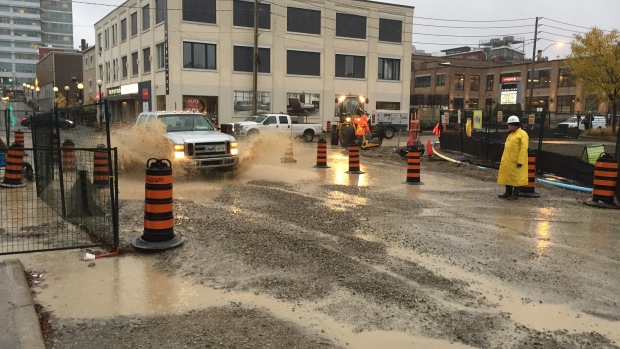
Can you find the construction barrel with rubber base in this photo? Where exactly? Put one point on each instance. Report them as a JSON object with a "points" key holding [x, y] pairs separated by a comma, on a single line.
{"points": [[288, 155], [354, 158], [101, 178], [158, 211], [529, 191], [321, 154], [13, 170], [413, 166], [605, 179]]}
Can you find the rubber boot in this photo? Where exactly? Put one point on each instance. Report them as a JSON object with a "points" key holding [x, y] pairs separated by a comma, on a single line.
{"points": [[507, 194], [515, 194]]}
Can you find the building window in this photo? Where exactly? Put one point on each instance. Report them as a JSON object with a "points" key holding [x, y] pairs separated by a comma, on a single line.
{"points": [[146, 17], [389, 69], [458, 103], [565, 104], [473, 103], [101, 71], [243, 14], [490, 82], [423, 81], [390, 30], [115, 69], [350, 26], [435, 100], [474, 82], [160, 10], [197, 55], [301, 20], [134, 64], [124, 66], [134, 24], [441, 80], [538, 102], [107, 71], [566, 80], [161, 58], [114, 35], [106, 37], [202, 11], [542, 78], [303, 63], [350, 66], [146, 58], [459, 82], [123, 29], [416, 100], [243, 59], [488, 102]]}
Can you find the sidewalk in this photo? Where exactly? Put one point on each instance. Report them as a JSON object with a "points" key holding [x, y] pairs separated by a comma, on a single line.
{"points": [[19, 325]]}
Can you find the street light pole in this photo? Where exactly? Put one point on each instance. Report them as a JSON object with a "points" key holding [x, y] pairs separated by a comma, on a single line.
{"points": [[99, 83], [531, 80], [67, 93]]}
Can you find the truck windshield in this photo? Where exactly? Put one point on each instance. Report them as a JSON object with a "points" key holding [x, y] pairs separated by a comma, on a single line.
{"points": [[186, 122], [251, 118], [261, 118]]}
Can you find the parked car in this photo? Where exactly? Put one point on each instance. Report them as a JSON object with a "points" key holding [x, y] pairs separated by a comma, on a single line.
{"points": [[62, 122]]}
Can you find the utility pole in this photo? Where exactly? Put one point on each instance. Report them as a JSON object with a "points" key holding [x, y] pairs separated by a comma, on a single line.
{"points": [[529, 105], [255, 60]]}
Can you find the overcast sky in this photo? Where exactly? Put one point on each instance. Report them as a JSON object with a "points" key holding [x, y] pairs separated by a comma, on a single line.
{"points": [[435, 21]]}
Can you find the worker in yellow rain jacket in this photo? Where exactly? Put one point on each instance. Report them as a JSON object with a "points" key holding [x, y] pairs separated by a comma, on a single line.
{"points": [[513, 167]]}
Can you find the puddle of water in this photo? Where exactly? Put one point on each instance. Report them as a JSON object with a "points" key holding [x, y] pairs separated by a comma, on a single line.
{"points": [[131, 286], [532, 314]]}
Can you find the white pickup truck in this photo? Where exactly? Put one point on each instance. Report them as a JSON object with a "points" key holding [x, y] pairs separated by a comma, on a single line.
{"points": [[277, 123], [195, 138]]}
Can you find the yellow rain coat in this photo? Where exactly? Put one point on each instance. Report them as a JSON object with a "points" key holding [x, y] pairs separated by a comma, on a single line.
{"points": [[515, 152]]}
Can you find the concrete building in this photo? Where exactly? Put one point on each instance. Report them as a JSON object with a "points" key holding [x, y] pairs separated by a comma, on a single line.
{"points": [[89, 75], [309, 53], [61, 70], [452, 83], [25, 26]]}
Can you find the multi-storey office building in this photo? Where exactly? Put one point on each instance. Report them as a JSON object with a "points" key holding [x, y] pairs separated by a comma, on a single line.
{"points": [[308, 53], [26, 25], [465, 84]]}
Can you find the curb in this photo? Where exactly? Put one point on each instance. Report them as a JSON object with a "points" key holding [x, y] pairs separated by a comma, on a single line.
{"points": [[17, 299]]}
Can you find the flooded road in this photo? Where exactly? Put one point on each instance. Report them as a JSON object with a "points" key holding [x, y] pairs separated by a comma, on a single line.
{"points": [[285, 255]]}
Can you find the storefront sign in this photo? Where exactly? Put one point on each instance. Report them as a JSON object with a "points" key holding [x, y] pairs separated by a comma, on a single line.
{"points": [[129, 89], [194, 104], [113, 91], [145, 94], [531, 119], [500, 116], [511, 79]]}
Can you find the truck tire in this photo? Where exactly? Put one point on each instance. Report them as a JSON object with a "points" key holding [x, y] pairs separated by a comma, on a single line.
{"points": [[347, 135], [308, 136], [389, 132], [334, 135], [252, 133]]}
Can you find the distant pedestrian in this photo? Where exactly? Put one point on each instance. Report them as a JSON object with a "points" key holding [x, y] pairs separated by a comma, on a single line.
{"points": [[513, 166], [586, 122]]}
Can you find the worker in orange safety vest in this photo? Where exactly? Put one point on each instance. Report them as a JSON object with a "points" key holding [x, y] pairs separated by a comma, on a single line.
{"points": [[361, 126]]}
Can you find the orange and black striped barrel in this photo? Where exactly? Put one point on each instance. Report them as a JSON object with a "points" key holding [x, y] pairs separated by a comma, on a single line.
{"points": [[13, 170], [101, 177], [117, 124], [55, 140], [530, 189], [329, 127], [19, 138], [104, 127], [158, 215], [95, 125], [413, 165], [68, 155], [354, 158], [321, 154], [605, 177]]}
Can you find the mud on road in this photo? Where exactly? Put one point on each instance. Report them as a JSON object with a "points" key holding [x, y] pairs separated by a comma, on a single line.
{"points": [[368, 262]]}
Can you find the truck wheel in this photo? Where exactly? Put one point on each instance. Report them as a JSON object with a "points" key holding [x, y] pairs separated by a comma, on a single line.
{"points": [[252, 133], [334, 134], [347, 135], [308, 136], [389, 133]]}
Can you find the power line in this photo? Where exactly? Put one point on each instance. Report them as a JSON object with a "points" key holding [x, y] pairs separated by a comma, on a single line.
{"points": [[471, 36], [572, 25], [455, 27], [472, 21], [568, 30]]}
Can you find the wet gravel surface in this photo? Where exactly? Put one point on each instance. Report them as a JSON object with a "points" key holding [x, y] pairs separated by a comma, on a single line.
{"points": [[345, 251]]}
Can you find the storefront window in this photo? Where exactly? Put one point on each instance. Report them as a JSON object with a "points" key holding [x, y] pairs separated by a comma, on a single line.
{"points": [[243, 103], [302, 104]]}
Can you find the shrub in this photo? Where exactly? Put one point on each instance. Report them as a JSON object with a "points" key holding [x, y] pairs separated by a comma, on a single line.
{"points": [[601, 132]]}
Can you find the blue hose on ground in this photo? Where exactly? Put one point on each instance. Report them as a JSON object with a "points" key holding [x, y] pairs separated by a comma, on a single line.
{"points": [[566, 186]]}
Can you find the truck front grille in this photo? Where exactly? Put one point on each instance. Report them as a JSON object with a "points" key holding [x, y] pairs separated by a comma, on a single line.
{"points": [[200, 150]]}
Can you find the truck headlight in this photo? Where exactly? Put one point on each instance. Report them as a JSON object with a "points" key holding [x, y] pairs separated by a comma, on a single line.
{"points": [[233, 148], [179, 151], [348, 119]]}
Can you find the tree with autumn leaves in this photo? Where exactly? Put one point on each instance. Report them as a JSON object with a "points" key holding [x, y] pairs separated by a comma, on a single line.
{"points": [[595, 62]]}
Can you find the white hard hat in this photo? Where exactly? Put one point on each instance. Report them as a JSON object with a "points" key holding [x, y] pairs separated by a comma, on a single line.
{"points": [[513, 120]]}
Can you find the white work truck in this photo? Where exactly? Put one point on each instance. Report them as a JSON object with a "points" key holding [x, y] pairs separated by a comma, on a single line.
{"points": [[389, 122], [195, 138], [277, 123]]}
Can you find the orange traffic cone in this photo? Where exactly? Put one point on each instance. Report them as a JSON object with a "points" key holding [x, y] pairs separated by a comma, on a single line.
{"points": [[429, 148], [410, 143]]}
